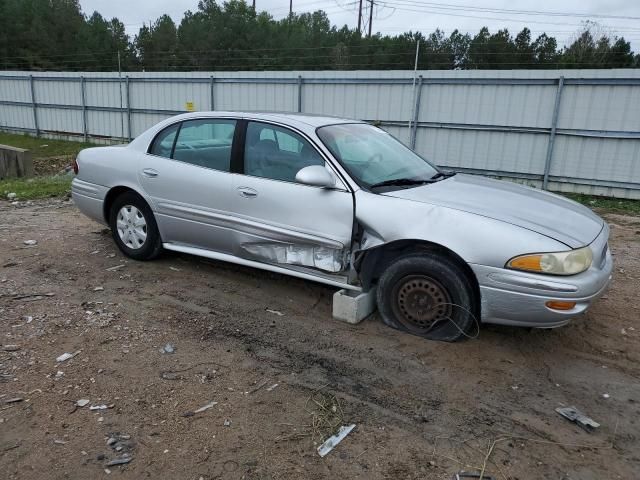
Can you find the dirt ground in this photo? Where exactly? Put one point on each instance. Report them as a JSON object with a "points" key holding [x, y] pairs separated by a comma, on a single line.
{"points": [[422, 409]]}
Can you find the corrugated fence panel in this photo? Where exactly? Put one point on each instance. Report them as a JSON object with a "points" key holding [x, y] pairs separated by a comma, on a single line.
{"points": [[15, 90], [370, 102], [492, 122], [60, 120], [401, 133], [169, 96], [142, 121], [505, 105], [613, 159], [107, 124], [256, 96], [16, 118], [600, 107], [64, 93], [104, 94], [483, 150]]}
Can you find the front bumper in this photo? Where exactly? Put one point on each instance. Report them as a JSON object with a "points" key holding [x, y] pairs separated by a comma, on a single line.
{"points": [[516, 298]]}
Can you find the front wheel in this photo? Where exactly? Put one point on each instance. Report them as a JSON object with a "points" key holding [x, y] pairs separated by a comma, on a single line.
{"points": [[428, 295], [134, 227]]}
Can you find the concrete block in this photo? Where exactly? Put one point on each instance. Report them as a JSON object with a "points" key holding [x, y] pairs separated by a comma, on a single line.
{"points": [[353, 307], [15, 162]]}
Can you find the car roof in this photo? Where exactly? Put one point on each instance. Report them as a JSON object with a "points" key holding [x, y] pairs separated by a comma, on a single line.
{"points": [[282, 117]]}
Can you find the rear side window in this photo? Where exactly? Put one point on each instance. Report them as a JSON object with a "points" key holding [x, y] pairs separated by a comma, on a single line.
{"points": [[163, 143], [206, 143]]}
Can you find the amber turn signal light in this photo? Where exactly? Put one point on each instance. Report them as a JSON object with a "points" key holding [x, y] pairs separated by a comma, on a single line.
{"points": [[560, 305]]}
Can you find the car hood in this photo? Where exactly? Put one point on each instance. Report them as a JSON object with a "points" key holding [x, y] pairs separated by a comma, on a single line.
{"points": [[542, 212]]}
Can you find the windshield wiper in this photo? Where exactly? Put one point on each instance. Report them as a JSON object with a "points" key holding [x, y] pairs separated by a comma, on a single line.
{"points": [[443, 175], [401, 181]]}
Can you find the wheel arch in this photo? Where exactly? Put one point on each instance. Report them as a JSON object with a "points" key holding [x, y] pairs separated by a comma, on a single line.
{"points": [[370, 263], [114, 193]]}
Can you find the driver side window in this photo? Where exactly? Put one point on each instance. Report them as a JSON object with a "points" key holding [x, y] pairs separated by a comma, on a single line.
{"points": [[277, 153]]}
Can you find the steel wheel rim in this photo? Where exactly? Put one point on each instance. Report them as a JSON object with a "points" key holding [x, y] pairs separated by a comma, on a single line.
{"points": [[132, 227], [420, 302]]}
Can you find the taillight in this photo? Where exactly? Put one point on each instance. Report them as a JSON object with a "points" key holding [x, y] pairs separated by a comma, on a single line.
{"points": [[75, 166]]}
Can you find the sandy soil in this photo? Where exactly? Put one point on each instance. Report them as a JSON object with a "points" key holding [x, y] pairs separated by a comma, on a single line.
{"points": [[423, 410]]}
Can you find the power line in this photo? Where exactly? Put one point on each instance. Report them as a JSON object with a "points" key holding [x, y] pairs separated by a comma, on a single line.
{"points": [[450, 6], [404, 6], [259, 54], [304, 4], [369, 62]]}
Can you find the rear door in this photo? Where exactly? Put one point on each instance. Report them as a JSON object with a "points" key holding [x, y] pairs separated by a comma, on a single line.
{"points": [[281, 221], [187, 175]]}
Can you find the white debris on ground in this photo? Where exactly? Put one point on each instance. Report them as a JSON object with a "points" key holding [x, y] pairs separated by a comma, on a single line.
{"points": [[334, 440]]}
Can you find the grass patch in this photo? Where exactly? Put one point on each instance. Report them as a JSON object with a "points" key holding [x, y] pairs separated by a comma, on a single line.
{"points": [[629, 207], [43, 147], [37, 187]]}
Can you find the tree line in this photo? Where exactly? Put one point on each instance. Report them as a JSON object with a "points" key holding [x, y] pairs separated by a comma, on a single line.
{"points": [[57, 35]]}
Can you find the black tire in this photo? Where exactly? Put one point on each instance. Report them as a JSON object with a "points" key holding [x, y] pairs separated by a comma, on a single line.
{"points": [[428, 295], [151, 247]]}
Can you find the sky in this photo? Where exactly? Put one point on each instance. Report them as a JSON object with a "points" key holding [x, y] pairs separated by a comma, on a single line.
{"points": [[397, 16]]}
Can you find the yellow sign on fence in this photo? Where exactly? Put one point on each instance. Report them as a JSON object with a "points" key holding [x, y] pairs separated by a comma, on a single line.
{"points": [[190, 107]]}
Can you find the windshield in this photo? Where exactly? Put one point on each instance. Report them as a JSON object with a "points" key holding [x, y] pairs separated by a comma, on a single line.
{"points": [[372, 156]]}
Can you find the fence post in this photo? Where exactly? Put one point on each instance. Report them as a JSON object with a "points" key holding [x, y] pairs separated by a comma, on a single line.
{"points": [[84, 109], [552, 134], [299, 93], [34, 105], [213, 104], [128, 95], [416, 114]]}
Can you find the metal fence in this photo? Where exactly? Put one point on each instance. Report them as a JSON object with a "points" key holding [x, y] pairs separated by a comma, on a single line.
{"points": [[566, 130]]}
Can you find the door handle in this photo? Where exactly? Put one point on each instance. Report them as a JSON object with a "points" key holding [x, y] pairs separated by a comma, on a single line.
{"points": [[150, 172], [247, 192]]}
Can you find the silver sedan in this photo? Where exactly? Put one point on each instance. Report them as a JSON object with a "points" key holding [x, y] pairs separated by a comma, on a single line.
{"points": [[344, 203]]}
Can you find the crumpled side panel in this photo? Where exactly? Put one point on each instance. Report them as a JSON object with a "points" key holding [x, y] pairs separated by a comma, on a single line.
{"points": [[323, 258]]}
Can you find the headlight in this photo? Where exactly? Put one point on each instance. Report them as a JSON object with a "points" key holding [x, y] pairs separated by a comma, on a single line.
{"points": [[559, 263]]}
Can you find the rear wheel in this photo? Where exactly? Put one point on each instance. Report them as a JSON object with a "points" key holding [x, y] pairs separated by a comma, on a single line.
{"points": [[134, 227], [428, 295]]}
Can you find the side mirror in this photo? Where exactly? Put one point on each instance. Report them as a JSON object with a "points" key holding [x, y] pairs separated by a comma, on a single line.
{"points": [[316, 175]]}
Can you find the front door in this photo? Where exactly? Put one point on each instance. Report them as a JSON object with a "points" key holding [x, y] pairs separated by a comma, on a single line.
{"points": [[283, 222], [187, 176]]}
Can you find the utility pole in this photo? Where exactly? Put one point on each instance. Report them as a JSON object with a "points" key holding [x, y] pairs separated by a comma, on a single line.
{"points": [[290, 7], [360, 17], [254, 4], [121, 105], [413, 111], [370, 15]]}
